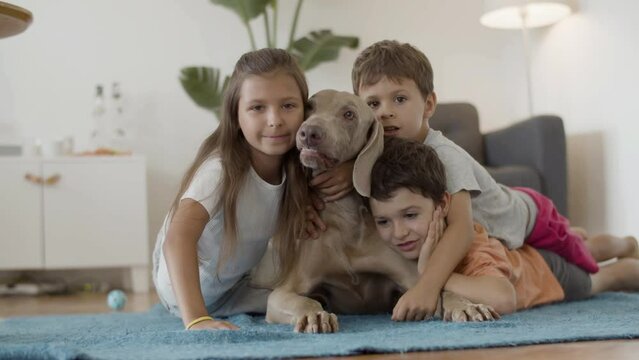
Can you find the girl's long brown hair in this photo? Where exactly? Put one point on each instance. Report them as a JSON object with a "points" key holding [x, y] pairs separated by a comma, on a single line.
{"points": [[228, 142]]}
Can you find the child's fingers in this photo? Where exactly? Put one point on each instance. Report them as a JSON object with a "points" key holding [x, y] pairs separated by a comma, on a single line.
{"points": [[311, 213], [318, 203], [314, 221], [417, 315], [229, 326], [433, 234], [311, 229], [319, 224], [440, 224], [399, 311], [214, 324], [410, 315], [321, 178], [330, 190], [311, 232], [330, 182], [331, 178], [432, 228], [339, 195]]}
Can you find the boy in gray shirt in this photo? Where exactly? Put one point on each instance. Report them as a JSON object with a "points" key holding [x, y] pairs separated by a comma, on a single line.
{"points": [[396, 81]]}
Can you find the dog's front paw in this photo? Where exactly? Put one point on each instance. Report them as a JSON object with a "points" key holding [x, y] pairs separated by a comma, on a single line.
{"points": [[471, 312], [317, 322], [459, 309]]}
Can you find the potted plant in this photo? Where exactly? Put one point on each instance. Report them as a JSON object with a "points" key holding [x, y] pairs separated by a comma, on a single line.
{"points": [[203, 84]]}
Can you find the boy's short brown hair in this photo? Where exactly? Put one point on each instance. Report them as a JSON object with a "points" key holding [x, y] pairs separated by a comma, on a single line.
{"points": [[408, 164], [395, 61]]}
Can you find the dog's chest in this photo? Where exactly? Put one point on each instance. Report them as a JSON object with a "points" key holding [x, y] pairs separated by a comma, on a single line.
{"points": [[346, 215], [352, 244]]}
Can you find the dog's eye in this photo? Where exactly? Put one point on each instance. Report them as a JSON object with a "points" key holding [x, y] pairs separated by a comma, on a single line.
{"points": [[310, 107], [349, 115]]}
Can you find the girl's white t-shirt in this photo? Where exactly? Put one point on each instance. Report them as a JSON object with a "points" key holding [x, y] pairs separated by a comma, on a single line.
{"points": [[258, 206]]}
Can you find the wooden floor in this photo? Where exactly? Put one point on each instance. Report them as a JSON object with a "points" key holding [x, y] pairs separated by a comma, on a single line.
{"points": [[92, 303]]}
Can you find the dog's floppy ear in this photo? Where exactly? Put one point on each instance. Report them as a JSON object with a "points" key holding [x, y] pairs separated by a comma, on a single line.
{"points": [[366, 159]]}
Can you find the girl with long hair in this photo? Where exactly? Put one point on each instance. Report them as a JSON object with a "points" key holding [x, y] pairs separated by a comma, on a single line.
{"points": [[244, 187]]}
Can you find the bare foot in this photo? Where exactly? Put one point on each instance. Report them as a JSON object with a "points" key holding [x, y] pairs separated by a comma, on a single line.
{"points": [[581, 232], [634, 248], [622, 275]]}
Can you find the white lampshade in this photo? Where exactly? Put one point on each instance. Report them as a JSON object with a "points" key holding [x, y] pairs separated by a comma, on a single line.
{"points": [[515, 14]]}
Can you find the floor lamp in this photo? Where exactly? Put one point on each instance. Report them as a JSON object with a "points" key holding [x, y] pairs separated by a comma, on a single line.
{"points": [[523, 15]]}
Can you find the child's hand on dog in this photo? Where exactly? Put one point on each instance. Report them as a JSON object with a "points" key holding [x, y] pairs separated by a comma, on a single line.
{"points": [[335, 183], [314, 224], [332, 185]]}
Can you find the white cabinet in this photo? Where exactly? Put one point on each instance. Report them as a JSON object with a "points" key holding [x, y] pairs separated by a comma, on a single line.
{"points": [[20, 215], [72, 213]]}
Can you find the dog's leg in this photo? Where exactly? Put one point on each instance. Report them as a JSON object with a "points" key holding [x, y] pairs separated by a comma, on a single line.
{"points": [[456, 308], [399, 270], [305, 314]]}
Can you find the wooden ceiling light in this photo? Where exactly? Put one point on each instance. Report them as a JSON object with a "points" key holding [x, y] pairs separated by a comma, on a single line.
{"points": [[13, 19]]}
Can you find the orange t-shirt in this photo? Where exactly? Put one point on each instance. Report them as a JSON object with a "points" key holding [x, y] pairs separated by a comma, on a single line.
{"points": [[529, 273]]}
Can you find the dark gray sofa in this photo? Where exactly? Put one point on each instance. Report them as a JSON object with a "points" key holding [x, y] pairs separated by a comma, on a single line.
{"points": [[530, 153]]}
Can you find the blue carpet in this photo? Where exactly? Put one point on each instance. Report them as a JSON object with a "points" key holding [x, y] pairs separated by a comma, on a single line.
{"points": [[158, 335]]}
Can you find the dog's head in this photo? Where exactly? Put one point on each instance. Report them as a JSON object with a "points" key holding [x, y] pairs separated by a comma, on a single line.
{"points": [[341, 127]]}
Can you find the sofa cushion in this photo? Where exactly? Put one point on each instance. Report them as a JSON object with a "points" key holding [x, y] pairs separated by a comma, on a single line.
{"points": [[460, 123], [515, 175]]}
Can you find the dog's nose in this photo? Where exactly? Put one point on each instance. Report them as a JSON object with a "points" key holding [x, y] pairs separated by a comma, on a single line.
{"points": [[311, 135]]}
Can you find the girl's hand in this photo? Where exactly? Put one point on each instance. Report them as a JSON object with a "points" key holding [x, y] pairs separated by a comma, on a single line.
{"points": [[335, 183], [214, 325], [314, 223], [435, 231]]}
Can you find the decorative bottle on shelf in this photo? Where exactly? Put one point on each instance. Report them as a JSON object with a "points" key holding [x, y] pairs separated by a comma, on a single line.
{"points": [[120, 138], [100, 134]]}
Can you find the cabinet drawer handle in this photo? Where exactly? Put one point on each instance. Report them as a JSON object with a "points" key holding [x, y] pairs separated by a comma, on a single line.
{"points": [[52, 180], [34, 178]]}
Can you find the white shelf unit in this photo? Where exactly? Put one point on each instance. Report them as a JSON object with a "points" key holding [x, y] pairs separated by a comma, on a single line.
{"points": [[74, 213]]}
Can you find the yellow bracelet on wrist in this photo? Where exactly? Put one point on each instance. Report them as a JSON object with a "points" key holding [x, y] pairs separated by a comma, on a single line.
{"points": [[197, 321]]}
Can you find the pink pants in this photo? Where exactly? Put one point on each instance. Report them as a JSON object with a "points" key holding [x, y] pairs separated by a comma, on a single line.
{"points": [[552, 232]]}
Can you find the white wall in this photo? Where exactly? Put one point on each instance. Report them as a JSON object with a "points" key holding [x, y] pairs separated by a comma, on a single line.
{"points": [[582, 70], [586, 71]]}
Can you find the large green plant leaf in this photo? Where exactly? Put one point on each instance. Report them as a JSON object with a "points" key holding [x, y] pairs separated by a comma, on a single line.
{"points": [[204, 87], [320, 46], [245, 9]]}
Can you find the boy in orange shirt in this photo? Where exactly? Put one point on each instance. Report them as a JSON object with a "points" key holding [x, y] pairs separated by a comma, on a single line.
{"points": [[408, 186]]}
